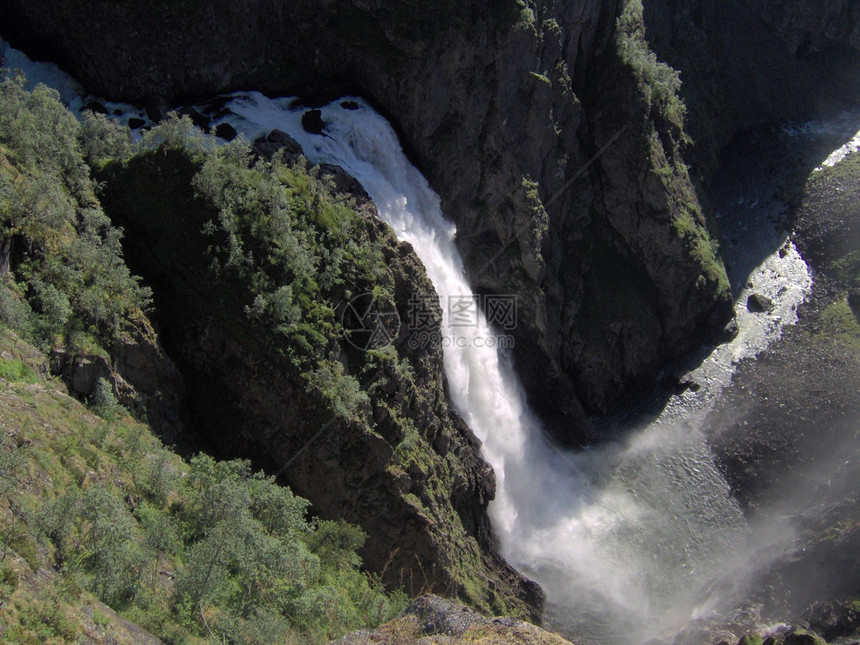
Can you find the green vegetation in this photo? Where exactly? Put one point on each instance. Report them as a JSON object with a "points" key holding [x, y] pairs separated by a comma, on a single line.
{"points": [[268, 250], [751, 639], [837, 323], [659, 82], [62, 278], [187, 550], [17, 372]]}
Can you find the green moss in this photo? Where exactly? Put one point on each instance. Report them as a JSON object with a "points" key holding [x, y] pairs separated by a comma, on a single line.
{"points": [[703, 247], [837, 323]]}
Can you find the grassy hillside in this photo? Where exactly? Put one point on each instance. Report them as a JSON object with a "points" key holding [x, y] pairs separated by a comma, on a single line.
{"points": [[95, 508]]}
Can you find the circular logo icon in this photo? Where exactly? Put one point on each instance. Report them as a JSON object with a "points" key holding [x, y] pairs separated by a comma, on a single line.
{"points": [[370, 322]]}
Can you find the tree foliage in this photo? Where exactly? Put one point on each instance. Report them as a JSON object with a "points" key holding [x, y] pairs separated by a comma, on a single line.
{"points": [[62, 276]]}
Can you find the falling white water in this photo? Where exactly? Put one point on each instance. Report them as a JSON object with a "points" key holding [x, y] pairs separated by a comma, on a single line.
{"points": [[623, 538]]}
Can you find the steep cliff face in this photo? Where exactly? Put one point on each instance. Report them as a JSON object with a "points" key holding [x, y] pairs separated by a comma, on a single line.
{"points": [[365, 435], [502, 106], [747, 63]]}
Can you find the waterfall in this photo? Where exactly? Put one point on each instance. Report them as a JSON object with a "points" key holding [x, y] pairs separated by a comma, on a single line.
{"points": [[629, 540], [626, 539]]}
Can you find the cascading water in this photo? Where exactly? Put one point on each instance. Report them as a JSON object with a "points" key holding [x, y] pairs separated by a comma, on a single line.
{"points": [[628, 539], [623, 538]]}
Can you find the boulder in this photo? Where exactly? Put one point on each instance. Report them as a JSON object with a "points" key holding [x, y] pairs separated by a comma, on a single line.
{"points": [[157, 108], [225, 131], [757, 303], [803, 637], [81, 373], [276, 140], [312, 122], [200, 120], [95, 106]]}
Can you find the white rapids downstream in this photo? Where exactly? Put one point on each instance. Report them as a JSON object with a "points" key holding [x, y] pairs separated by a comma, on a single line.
{"points": [[629, 540]]}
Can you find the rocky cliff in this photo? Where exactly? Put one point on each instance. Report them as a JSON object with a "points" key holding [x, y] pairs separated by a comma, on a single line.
{"points": [[365, 435], [502, 106], [747, 63]]}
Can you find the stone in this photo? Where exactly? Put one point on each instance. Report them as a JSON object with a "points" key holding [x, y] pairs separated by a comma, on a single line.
{"points": [[225, 131], [349, 105], [730, 331], [312, 122], [803, 637], [80, 373], [200, 120], [157, 108], [276, 140], [757, 303], [135, 124], [96, 107]]}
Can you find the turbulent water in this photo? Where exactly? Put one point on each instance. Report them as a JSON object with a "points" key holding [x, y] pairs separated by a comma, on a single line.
{"points": [[629, 540], [625, 539]]}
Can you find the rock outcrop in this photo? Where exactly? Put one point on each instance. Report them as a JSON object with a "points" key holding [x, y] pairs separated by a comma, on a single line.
{"points": [[431, 619], [399, 463], [748, 63]]}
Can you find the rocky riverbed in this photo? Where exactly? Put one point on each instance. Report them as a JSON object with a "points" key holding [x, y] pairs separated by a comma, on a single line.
{"points": [[785, 433]]}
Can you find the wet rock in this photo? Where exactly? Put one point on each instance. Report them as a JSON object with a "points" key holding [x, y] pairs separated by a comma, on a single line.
{"points": [[730, 331], [200, 120], [225, 131], [312, 122], [215, 108], [835, 619], [803, 637], [134, 123], [349, 105], [96, 107], [157, 108], [757, 303], [276, 140]]}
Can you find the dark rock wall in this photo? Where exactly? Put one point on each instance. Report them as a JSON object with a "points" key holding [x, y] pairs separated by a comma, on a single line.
{"points": [[748, 63], [489, 97]]}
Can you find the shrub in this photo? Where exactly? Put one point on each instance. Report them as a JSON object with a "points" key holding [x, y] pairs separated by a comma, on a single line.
{"points": [[64, 256], [660, 82]]}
